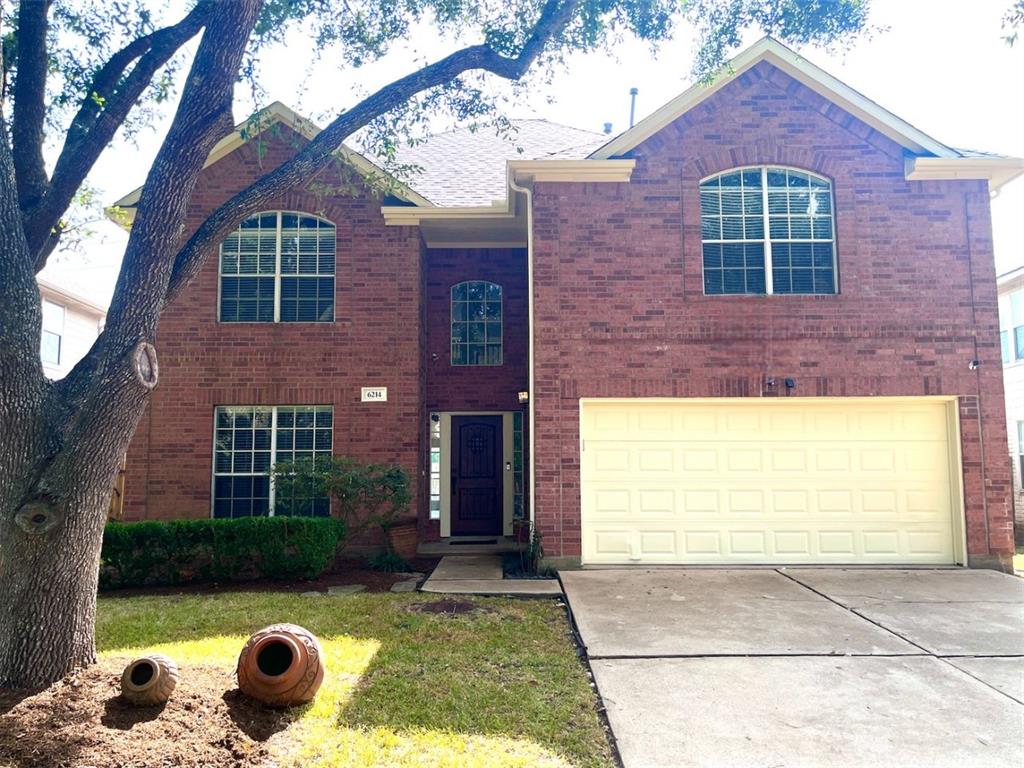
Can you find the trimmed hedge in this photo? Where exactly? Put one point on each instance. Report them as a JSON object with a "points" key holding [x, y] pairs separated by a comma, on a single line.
{"points": [[187, 551]]}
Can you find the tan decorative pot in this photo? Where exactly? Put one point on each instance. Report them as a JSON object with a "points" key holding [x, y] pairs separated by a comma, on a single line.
{"points": [[149, 680], [281, 665], [403, 538]]}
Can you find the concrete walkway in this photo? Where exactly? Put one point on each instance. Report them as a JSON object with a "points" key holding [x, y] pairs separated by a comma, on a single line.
{"points": [[806, 667], [484, 575]]}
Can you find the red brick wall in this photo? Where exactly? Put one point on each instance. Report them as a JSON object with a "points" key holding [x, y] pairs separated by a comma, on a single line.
{"points": [[475, 388], [620, 310], [374, 341]]}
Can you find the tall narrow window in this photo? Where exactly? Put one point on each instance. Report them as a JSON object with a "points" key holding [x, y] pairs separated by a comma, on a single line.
{"points": [[476, 323], [434, 436], [53, 333], [767, 230], [1020, 453], [278, 267], [1017, 323], [249, 440]]}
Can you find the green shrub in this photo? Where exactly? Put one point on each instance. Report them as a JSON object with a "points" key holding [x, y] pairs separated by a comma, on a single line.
{"points": [[191, 551], [362, 495], [388, 562]]}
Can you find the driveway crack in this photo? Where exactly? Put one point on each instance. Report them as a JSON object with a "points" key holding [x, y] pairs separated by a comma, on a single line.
{"points": [[893, 632]]}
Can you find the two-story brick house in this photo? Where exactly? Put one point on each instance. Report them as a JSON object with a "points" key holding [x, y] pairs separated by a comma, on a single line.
{"points": [[758, 327]]}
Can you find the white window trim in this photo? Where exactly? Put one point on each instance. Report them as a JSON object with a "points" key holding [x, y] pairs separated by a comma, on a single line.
{"points": [[59, 334], [271, 498], [278, 274], [767, 241], [452, 321]]}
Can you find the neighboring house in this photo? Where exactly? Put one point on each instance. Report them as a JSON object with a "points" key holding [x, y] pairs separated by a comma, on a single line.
{"points": [[71, 324], [1011, 338], [757, 327]]}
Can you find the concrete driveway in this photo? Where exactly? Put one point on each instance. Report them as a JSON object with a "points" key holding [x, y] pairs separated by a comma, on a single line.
{"points": [[806, 666]]}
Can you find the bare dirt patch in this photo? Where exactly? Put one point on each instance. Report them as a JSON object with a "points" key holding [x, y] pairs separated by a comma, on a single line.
{"points": [[449, 607], [83, 721]]}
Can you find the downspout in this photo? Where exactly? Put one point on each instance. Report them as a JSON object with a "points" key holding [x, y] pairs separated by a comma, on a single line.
{"points": [[528, 194]]}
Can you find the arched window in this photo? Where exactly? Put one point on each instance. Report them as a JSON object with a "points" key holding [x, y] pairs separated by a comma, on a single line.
{"points": [[476, 323], [278, 267], [767, 230]]}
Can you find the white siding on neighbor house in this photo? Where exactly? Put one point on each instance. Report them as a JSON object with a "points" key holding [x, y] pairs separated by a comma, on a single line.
{"points": [[78, 327], [1013, 382]]}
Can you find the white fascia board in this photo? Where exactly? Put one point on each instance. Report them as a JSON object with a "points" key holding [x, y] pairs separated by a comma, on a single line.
{"points": [[407, 215], [516, 170], [617, 170], [997, 170], [790, 62]]}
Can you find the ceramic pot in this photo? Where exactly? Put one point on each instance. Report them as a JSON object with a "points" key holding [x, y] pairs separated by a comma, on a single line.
{"points": [[281, 665], [149, 680], [403, 539]]}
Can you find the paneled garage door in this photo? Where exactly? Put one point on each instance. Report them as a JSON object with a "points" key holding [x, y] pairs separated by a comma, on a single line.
{"points": [[834, 480]]}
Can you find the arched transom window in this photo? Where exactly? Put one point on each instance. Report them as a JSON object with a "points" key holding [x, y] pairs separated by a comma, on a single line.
{"points": [[476, 323], [767, 230], [278, 267]]}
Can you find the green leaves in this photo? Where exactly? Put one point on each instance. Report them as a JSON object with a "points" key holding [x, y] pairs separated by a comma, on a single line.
{"points": [[193, 551]]}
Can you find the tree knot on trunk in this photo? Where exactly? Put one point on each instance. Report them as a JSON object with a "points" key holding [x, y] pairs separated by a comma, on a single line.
{"points": [[147, 371], [38, 516]]}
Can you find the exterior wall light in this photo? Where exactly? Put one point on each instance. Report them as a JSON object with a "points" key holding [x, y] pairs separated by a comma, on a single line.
{"points": [[524, 397]]}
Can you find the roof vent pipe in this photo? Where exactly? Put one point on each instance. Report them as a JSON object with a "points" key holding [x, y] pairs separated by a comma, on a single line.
{"points": [[632, 105], [608, 128]]}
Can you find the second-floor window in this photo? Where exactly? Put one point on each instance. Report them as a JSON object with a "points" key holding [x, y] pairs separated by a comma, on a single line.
{"points": [[767, 230], [53, 333], [476, 323], [1011, 324], [278, 267]]}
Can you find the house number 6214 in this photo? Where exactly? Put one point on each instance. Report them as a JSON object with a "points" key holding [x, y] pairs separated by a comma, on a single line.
{"points": [[375, 394]]}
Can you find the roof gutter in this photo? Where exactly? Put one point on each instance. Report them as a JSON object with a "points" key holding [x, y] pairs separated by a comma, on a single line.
{"points": [[997, 170]]}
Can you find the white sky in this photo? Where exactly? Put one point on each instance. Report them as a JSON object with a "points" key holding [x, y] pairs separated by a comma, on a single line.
{"points": [[941, 65]]}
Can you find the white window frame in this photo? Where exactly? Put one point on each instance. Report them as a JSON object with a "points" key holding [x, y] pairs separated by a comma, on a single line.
{"points": [[271, 499], [278, 274], [501, 321], [59, 334], [1020, 454], [766, 224]]}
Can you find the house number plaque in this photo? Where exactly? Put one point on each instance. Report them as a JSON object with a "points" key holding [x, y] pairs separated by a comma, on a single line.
{"points": [[375, 394]]}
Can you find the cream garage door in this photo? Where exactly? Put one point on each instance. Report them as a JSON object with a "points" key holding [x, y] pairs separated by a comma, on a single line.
{"points": [[833, 480]]}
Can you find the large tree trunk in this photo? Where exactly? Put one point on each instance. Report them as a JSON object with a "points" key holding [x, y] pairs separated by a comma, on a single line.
{"points": [[61, 442]]}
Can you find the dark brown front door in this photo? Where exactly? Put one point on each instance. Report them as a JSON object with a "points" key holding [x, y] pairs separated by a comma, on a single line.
{"points": [[476, 476]]}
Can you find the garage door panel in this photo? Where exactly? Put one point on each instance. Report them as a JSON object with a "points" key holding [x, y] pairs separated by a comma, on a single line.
{"points": [[841, 482]]}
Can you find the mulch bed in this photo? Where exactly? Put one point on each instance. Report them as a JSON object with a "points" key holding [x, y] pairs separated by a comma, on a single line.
{"points": [[349, 573], [83, 722]]}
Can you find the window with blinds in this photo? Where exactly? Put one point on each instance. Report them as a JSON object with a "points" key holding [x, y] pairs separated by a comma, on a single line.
{"points": [[767, 230], [278, 267]]}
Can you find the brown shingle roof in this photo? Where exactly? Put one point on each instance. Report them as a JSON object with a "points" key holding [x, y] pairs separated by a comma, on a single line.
{"points": [[467, 168]]}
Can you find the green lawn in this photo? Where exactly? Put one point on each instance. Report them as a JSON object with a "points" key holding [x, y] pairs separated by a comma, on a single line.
{"points": [[501, 688], [1018, 561]]}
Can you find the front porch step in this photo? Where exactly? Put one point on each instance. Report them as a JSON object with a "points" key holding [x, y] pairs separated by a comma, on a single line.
{"points": [[493, 545], [483, 575]]}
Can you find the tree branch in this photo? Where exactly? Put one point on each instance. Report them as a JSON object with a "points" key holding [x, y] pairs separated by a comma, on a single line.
{"points": [[149, 256], [103, 110], [29, 112], [554, 18]]}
